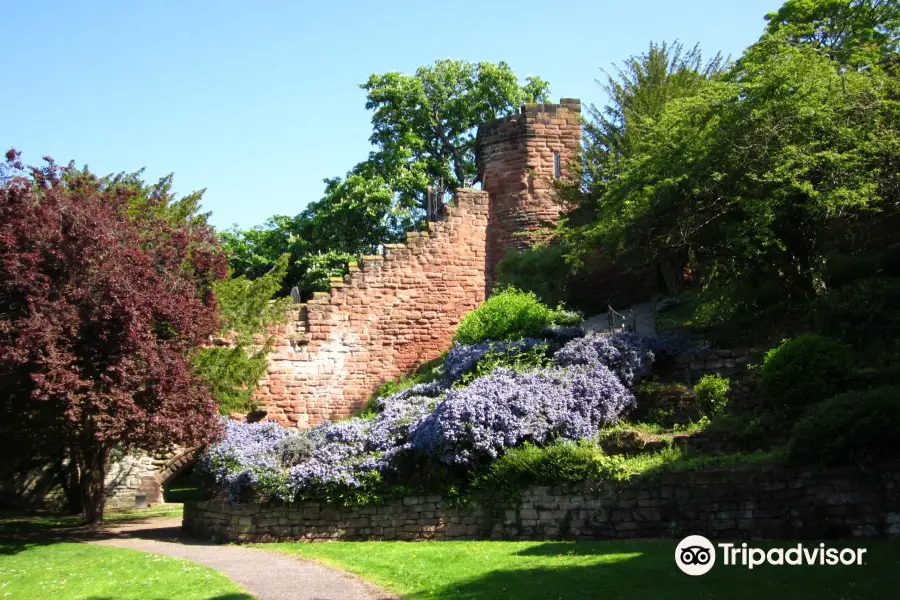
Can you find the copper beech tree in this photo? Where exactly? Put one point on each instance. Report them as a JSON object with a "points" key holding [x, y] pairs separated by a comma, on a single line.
{"points": [[102, 303]]}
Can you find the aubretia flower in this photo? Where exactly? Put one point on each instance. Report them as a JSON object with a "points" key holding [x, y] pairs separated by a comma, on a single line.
{"points": [[246, 450], [628, 355], [462, 358], [506, 408]]}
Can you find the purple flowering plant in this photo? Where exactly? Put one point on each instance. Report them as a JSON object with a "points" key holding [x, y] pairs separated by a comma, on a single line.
{"points": [[586, 387]]}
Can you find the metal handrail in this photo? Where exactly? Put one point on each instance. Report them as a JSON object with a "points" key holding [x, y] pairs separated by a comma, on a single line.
{"points": [[619, 322]]}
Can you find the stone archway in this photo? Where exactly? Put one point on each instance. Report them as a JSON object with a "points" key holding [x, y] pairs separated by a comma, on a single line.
{"points": [[141, 474], [179, 462]]}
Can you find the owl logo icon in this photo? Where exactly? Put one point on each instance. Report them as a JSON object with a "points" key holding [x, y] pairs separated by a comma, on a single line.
{"points": [[695, 555]]}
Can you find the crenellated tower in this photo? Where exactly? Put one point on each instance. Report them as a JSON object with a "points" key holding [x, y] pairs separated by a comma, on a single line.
{"points": [[518, 159]]}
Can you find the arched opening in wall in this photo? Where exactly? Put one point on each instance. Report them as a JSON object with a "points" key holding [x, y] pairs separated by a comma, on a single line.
{"points": [[177, 478]]}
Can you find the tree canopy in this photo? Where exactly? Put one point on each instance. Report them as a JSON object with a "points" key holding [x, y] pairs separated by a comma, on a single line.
{"points": [[101, 307], [423, 133], [750, 174]]}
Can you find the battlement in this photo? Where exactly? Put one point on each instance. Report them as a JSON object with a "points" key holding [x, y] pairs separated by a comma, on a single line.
{"points": [[519, 157], [395, 310]]}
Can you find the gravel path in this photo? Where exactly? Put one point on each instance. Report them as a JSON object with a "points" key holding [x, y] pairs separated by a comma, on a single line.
{"points": [[267, 575]]}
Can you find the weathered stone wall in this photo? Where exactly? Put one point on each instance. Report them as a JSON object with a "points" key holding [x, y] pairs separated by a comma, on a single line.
{"points": [[396, 311], [517, 165], [748, 504], [689, 368], [127, 475], [140, 473], [388, 316]]}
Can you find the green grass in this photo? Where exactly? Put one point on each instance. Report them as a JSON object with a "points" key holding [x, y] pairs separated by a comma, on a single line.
{"points": [[18, 522], [73, 571], [185, 488], [659, 430], [638, 570]]}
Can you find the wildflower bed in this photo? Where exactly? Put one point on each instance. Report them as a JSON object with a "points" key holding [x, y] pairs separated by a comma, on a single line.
{"points": [[444, 435]]}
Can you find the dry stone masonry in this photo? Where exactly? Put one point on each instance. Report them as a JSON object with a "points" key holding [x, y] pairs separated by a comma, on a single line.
{"points": [[761, 503], [145, 475], [399, 309]]}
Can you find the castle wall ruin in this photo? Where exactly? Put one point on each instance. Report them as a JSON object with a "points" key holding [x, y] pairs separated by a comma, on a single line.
{"points": [[399, 309]]}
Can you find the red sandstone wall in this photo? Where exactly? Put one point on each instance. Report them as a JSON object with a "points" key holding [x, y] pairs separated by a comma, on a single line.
{"points": [[516, 167], [385, 318]]}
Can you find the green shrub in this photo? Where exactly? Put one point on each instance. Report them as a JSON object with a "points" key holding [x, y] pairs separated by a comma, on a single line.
{"points": [[567, 318], [507, 315], [804, 370], [541, 270], [866, 315], [558, 463], [849, 429], [712, 394], [530, 359], [295, 449], [664, 404]]}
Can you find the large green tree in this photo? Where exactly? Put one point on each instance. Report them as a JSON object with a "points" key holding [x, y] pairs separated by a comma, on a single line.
{"points": [[751, 174], [423, 131], [638, 92], [425, 122], [852, 32]]}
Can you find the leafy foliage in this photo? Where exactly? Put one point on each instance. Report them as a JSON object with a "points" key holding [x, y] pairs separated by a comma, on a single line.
{"points": [[462, 359], [232, 372], [423, 128], [803, 370], [712, 394], [426, 122], [561, 462], [101, 306], [507, 315], [541, 270], [853, 428], [866, 315], [856, 33], [752, 174], [522, 360]]}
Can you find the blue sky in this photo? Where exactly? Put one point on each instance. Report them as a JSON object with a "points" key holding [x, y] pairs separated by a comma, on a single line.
{"points": [[259, 101]]}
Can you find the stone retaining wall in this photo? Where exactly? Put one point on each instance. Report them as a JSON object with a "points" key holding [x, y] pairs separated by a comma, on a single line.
{"points": [[758, 503], [689, 368]]}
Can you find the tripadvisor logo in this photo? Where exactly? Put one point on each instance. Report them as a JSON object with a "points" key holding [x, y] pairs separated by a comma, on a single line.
{"points": [[696, 555]]}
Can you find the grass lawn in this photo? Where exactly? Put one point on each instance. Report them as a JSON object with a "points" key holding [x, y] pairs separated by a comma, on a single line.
{"points": [[73, 571], [19, 522], [590, 570]]}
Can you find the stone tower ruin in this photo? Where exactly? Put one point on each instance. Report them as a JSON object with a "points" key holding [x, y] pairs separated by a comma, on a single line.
{"points": [[518, 159], [400, 308]]}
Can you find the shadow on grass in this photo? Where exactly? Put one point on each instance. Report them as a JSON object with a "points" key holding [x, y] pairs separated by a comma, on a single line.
{"points": [[20, 531], [647, 571]]}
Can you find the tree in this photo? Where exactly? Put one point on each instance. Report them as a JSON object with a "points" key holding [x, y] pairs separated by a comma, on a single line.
{"points": [[750, 175], [232, 370], [424, 131], [857, 33], [639, 90], [425, 123], [100, 310]]}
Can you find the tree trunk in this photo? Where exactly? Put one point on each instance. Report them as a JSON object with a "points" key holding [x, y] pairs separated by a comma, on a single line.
{"points": [[93, 474], [67, 472]]}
